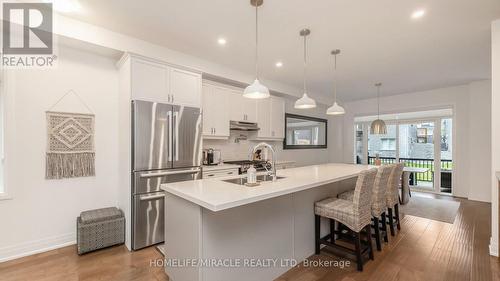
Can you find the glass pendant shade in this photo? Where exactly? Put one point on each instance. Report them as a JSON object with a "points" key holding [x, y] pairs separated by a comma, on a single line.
{"points": [[305, 102], [256, 91], [335, 109], [378, 127]]}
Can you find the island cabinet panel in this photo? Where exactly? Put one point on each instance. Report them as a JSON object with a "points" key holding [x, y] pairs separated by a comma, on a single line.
{"points": [[279, 229], [215, 112]]}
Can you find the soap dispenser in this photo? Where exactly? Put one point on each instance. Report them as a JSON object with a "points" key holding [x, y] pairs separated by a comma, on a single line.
{"points": [[252, 175]]}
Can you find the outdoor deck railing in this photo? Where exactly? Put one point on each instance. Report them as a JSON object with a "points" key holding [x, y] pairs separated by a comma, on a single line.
{"points": [[418, 163]]}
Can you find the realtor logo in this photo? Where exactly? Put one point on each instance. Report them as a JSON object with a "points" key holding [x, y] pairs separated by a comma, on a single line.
{"points": [[27, 29]]}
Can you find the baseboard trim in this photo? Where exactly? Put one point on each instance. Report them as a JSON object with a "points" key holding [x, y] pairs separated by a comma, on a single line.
{"points": [[38, 246], [493, 248]]}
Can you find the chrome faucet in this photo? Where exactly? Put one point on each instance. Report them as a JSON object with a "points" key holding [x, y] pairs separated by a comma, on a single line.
{"points": [[266, 145]]}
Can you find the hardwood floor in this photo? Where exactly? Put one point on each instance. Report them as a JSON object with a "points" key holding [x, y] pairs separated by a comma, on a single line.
{"points": [[423, 250]]}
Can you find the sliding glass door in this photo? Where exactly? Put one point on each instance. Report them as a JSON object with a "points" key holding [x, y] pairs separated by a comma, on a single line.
{"points": [[416, 150], [383, 147], [422, 144]]}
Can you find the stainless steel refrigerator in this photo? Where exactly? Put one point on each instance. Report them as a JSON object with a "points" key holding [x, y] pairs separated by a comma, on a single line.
{"points": [[166, 147]]}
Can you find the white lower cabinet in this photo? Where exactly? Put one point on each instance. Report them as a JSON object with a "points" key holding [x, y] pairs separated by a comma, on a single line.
{"points": [[220, 173], [215, 111]]}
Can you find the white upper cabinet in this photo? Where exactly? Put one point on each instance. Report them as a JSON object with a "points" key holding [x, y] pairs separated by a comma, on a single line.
{"points": [[159, 82], [185, 87], [264, 118], [277, 117], [271, 118], [242, 109], [149, 81], [215, 111]]}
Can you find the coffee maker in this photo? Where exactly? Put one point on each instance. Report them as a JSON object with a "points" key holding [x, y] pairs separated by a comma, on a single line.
{"points": [[212, 157]]}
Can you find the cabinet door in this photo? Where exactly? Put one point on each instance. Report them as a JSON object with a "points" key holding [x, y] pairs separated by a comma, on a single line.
{"points": [[235, 104], [264, 118], [220, 97], [208, 110], [277, 117], [149, 81], [185, 87], [249, 110]]}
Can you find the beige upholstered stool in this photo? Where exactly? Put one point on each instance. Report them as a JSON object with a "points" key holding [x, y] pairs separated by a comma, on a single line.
{"points": [[354, 214], [392, 196], [378, 203]]}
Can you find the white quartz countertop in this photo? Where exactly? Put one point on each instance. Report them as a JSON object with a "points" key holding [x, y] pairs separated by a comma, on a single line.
{"points": [[217, 195], [220, 167]]}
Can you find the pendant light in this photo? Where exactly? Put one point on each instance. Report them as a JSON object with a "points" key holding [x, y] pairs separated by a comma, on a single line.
{"points": [[378, 126], [305, 102], [335, 109], [256, 90]]}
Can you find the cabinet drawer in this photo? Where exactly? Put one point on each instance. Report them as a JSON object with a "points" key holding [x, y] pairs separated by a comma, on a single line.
{"points": [[220, 173]]}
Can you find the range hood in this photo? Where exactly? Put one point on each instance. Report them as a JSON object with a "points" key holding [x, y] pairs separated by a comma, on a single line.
{"points": [[243, 126]]}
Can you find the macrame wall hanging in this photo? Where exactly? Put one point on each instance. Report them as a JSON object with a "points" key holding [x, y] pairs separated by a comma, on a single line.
{"points": [[70, 143]]}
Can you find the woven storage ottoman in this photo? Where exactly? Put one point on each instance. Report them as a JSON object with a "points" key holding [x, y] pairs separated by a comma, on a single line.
{"points": [[97, 229]]}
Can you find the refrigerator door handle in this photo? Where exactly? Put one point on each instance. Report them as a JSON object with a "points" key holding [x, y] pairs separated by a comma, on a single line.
{"points": [[161, 174], [176, 135], [169, 114], [151, 197]]}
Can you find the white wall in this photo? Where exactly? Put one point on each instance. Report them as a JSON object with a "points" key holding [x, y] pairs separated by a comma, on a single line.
{"points": [[479, 141], [470, 104], [495, 133], [42, 213], [302, 157]]}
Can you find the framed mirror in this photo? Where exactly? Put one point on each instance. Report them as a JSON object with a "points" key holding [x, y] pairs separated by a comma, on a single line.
{"points": [[304, 132]]}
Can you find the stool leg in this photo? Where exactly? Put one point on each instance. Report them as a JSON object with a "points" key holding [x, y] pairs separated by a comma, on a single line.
{"points": [[369, 240], [391, 221], [332, 231], [396, 210], [377, 234], [317, 225], [384, 227], [357, 243]]}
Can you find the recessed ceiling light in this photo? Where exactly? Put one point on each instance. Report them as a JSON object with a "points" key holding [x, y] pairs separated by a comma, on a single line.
{"points": [[279, 64], [222, 41], [418, 14]]}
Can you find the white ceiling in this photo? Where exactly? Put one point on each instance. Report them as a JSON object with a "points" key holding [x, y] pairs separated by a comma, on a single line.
{"points": [[450, 45]]}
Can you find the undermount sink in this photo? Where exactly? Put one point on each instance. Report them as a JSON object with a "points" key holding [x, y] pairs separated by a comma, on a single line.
{"points": [[260, 178]]}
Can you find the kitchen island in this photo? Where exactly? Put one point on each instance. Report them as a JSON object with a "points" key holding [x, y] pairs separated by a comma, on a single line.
{"points": [[217, 230]]}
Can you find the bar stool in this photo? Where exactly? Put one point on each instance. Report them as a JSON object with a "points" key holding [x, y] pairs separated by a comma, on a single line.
{"points": [[378, 203], [354, 214], [392, 198]]}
